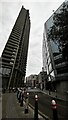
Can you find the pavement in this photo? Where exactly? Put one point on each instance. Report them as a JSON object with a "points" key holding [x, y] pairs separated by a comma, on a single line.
{"points": [[11, 108], [56, 95]]}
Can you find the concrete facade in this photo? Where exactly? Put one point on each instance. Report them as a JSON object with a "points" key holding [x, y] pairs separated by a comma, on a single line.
{"points": [[32, 80], [14, 55], [42, 80]]}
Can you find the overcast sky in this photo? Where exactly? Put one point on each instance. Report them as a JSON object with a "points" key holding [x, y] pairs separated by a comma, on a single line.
{"points": [[40, 11]]}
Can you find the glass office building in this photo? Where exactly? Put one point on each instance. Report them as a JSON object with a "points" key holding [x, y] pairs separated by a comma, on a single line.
{"points": [[53, 62], [14, 56]]}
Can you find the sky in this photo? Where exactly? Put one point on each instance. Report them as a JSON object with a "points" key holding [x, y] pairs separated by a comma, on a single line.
{"points": [[40, 11]]}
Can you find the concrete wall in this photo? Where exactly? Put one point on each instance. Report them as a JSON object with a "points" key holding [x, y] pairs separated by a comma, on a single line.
{"points": [[62, 87]]}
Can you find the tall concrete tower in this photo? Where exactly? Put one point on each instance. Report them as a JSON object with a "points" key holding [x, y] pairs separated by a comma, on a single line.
{"points": [[14, 56]]}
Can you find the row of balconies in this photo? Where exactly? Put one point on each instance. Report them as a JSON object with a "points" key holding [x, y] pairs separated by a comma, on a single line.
{"points": [[7, 56], [58, 57], [14, 37], [62, 77], [8, 52], [6, 59], [16, 31], [8, 64], [13, 41], [61, 65], [58, 61], [62, 70], [12, 44]]}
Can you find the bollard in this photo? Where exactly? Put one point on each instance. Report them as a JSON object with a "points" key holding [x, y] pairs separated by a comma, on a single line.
{"points": [[22, 95], [36, 108], [54, 108], [26, 103]]}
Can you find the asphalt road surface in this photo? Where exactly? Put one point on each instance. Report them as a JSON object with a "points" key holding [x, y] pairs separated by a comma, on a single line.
{"points": [[11, 109], [44, 105]]}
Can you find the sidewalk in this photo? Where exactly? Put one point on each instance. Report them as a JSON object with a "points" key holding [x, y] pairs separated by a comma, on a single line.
{"points": [[11, 108], [56, 95]]}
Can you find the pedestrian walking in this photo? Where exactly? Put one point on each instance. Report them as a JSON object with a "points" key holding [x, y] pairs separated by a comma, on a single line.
{"points": [[22, 96], [19, 96], [18, 93], [26, 103]]}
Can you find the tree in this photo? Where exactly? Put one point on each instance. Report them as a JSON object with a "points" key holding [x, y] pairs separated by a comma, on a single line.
{"points": [[58, 32]]}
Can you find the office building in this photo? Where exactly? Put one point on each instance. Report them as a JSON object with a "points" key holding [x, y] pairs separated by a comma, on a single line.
{"points": [[14, 55], [42, 79], [32, 81], [53, 62]]}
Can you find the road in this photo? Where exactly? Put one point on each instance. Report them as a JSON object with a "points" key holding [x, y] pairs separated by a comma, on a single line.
{"points": [[44, 105], [12, 109]]}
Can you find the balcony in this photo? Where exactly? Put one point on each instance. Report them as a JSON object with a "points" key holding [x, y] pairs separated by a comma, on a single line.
{"points": [[58, 57], [14, 43], [61, 65], [7, 64], [62, 77]]}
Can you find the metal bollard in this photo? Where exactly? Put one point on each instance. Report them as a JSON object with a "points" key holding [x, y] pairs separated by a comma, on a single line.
{"points": [[22, 95], [54, 108], [26, 103], [36, 108]]}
